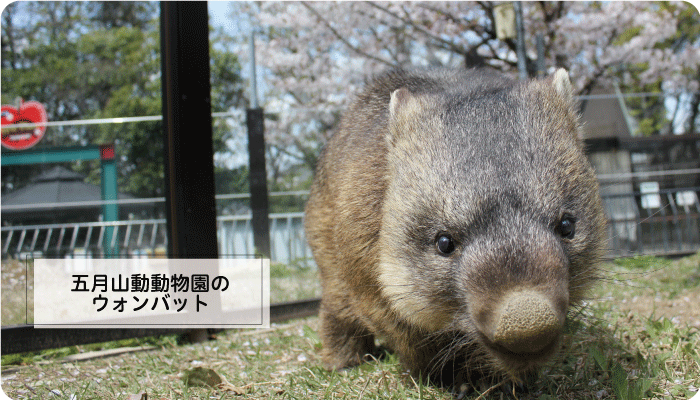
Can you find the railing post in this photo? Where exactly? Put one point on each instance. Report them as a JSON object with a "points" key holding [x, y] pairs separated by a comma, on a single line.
{"points": [[258, 181], [188, 143], [187, 134], [110, 211]]}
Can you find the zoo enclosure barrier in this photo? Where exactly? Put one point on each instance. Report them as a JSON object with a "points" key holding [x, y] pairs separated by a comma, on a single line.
{"points": [[660, 222], [147, 238], [664, 222]]}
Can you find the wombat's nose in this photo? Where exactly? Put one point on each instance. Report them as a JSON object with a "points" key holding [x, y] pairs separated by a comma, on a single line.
{"points": [[527, 323]]}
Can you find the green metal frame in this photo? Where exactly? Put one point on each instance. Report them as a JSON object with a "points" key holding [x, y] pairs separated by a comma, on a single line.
{"points": [[50, 155], [110, 211]]}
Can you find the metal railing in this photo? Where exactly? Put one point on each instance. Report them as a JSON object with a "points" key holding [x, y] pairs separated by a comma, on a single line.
{"points": [[287, 239], [60, 240], [662, 222], [147, 238]]}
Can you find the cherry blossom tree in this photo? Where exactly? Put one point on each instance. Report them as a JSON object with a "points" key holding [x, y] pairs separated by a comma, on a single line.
{"points": [[317, 54]]}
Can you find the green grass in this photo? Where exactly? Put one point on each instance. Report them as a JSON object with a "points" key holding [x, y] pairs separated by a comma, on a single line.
{"points": [[650, 306], [293, 282], [17, 280], [50, 355], [630, 342]]}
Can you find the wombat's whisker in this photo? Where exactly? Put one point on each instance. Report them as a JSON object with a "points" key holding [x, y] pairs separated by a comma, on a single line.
{"points": [[448, 353]]}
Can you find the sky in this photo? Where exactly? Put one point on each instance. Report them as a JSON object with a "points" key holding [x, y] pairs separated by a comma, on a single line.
{"points": [[220, 13]]}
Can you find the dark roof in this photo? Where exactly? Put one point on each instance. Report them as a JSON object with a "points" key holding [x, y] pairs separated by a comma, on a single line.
{"points": [[603, 117], [58, 174], [57, 185]]}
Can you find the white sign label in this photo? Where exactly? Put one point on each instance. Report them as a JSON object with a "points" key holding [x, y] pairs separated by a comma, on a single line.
{"points": [[651, 200], [686, 198], [152, 293]]}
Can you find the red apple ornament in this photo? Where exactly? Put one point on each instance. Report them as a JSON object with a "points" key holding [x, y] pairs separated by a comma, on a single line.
{"points": [[22, 138]]}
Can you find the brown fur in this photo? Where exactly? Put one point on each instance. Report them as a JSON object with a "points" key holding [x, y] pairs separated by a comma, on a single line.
{"points": [[494, 163]]}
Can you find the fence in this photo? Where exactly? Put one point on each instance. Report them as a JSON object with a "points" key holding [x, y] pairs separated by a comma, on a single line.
{"points": [[665, 221], [147, 238], [660, 221]]}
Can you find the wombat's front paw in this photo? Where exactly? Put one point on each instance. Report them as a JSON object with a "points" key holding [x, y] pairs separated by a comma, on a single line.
{"points": [[345, 343], [332, 361], [507, 389]]}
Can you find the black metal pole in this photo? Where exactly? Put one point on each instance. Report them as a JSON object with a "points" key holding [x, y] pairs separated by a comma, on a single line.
{"points": [[187, 126], [258, 181], [540, 56]]}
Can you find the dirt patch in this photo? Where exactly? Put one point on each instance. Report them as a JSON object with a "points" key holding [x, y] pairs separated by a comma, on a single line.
{"points": [[654, 287], [684, 309]]}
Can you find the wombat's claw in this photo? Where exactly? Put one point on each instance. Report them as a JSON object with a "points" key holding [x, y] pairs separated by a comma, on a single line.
{"points": [[463, 391], [513, 390]]}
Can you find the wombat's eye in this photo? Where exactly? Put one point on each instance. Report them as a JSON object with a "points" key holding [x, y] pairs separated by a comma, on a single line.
{"points": [[445, 244], [567, 226]]}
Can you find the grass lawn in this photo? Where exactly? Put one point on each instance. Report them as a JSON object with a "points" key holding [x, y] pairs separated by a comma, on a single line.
{"points": [[638, 338]]}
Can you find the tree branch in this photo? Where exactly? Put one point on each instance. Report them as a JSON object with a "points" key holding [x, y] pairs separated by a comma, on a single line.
{"points": [[466, 24], [450, 45], [342, 39]]}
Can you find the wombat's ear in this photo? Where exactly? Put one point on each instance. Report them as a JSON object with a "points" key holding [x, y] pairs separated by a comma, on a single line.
{"points": [[401, 99], [404, 108], [562, 84]]}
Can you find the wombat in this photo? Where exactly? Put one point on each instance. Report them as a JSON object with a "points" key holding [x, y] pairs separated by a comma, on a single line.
{"points": [[455, 215]]}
